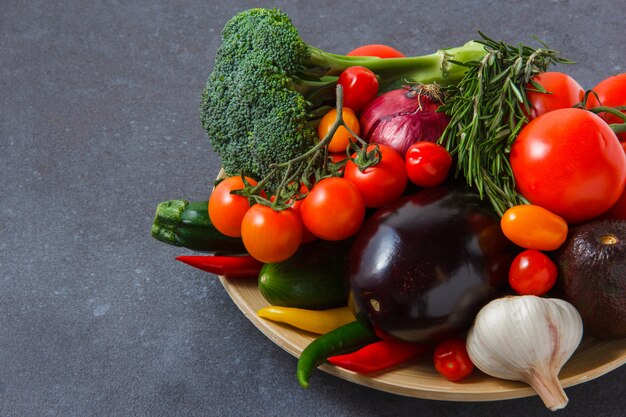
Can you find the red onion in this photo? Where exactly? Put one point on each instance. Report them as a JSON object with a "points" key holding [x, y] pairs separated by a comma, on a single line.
{"points": [[402, 117]]}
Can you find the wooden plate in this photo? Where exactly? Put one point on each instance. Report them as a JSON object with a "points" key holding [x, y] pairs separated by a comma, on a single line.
{"points": [[593, 358]]}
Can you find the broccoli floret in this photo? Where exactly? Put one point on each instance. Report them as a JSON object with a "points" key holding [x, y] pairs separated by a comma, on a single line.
{"points": [[268, 88]]}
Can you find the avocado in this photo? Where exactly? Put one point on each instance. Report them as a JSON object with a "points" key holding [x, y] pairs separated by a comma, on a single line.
{"points": [[592, 275]]}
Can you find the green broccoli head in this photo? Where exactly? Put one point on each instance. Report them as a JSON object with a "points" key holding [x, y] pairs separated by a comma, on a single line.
{"points": [[250, 109], [268, 88]]}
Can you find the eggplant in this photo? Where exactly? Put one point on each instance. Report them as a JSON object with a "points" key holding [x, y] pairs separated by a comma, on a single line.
{"points": [[421, 268]]}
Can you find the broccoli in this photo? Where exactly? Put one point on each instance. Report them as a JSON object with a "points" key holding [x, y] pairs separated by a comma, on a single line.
{"points": [[269, 88]]}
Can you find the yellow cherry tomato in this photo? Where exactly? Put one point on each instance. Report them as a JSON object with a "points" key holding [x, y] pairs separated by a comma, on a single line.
{"points": [[341, 138], [533, 227]]}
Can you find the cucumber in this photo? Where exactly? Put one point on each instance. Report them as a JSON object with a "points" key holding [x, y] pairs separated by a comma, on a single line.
{"points": [[187, 224], [313, 278]]}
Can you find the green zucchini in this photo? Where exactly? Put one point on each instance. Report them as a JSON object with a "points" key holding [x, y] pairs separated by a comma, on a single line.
{"points": [[187, 224], [313, 278]]}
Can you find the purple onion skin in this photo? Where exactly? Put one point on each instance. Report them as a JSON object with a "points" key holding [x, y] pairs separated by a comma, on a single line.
{"points": [[399, 118]]}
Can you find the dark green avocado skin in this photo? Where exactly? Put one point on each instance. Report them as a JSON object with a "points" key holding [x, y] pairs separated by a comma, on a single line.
{"points": [[592, 275]]}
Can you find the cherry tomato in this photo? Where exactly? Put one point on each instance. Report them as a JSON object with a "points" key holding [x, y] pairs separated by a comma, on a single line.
{"points": [[376, 49], [382, 183], [341, 138], [532, 273], [612, 93], [360, 86], [570, 162], [270, 235], [427, 164], [452, 361], [334, 209], [562, 92], [226, 210], [307, 236], [533, 227]]}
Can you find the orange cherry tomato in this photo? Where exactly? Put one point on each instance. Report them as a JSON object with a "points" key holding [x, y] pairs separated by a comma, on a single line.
{"points": [[270, 235], [533, 227], [226, 210], [341, 138]]}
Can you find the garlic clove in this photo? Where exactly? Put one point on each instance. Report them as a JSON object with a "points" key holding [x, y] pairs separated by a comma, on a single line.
{"points": [[529, 339]]}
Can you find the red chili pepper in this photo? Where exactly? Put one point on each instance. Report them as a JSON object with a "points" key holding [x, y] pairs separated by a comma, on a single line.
{"points": [[379, 356], [228, 266]]}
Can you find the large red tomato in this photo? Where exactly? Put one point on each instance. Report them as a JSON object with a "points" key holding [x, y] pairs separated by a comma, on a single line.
{"points": [[612, 93], [269, 235], [334, 209], [562, 92], [382, 183], [570, 162]]}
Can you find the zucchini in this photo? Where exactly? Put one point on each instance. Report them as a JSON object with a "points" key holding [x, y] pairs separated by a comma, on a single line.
{"points": [[313, 278], [187, 224]]}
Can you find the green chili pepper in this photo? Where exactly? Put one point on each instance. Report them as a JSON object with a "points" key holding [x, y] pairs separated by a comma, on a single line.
{"points": [[345, 339]]}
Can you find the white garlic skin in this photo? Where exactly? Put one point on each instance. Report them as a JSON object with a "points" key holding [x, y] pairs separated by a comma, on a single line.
{"points": [[526, 338]]}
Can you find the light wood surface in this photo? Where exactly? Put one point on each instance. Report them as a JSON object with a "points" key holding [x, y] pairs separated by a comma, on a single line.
{"points": [[419, 379]]}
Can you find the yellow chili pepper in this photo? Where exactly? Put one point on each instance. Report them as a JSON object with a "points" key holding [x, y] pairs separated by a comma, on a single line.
{"points": [[315, 321]]}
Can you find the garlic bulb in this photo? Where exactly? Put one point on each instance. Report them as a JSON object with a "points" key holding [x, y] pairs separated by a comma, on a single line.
{"points": [[526, 338]]}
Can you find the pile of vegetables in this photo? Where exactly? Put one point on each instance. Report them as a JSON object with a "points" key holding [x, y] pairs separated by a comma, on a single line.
{"points": [[469, 204]]}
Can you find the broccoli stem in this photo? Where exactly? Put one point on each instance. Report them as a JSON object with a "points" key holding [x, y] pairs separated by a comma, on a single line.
{"points": [[438, 67]]}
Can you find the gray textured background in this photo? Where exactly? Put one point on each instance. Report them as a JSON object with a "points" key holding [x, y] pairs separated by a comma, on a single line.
{"points": [[99, 122]]}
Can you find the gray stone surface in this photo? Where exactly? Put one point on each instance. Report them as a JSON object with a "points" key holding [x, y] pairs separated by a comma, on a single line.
{"points": [[99, 122]]}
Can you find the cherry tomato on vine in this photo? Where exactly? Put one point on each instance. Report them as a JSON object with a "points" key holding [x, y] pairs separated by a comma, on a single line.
{"points": [[532, 273], [570, 162], [382, 183], [334, 209], [270, 235], [341, 138], [612, 93], [562, 92], [226, 210], [533, 227], [360, 86], [307, 236], [376, 49], [427, 164], [452, 361]]}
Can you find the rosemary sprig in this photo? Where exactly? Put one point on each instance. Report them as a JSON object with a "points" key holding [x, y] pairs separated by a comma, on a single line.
{"points": [[487, 109]]}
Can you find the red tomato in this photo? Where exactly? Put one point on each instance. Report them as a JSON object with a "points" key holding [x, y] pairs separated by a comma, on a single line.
{"points": [[427, 164], [270, 235], [570, 162], [532, 273], [612, 93], [618, 211], [334, 209], [533, 227], [360, 86], [452, 361], [341, 138], [382, 183], [376, 49], [562, 92], [307, 236], [226, 210]]}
